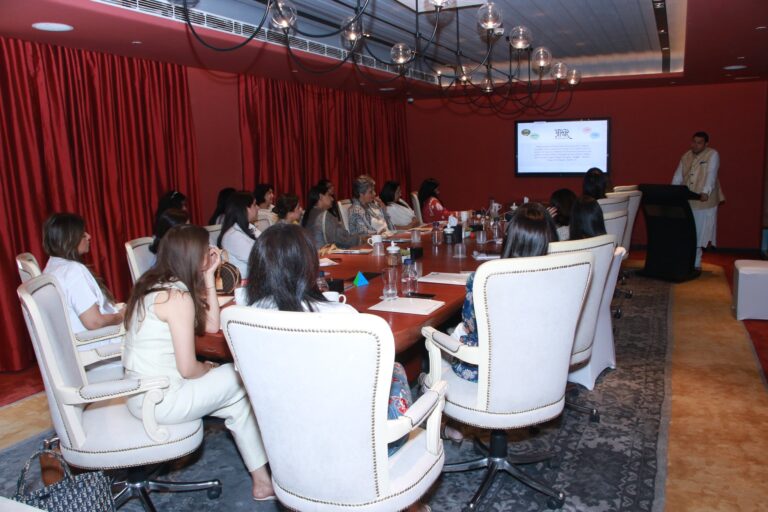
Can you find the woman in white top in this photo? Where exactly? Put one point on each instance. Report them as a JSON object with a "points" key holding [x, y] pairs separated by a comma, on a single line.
{"points": [[264, 194], [401, 215], [238, 232], [291, 286], [89, 303], [169, 305]]}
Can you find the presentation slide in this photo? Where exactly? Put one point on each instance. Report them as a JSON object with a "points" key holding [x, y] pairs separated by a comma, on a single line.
{"points": [[561, 147]]}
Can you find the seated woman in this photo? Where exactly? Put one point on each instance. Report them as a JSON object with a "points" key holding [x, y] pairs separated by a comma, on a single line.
{"points": [[401, 215], [217, 217], [90, 304], [367, 215], [171, 199], [326, 187], [288, 209], [595, 183], [323, 227], [238, 232], [169, 305], [432, 208], [264, 195], [586, 219], [560, 205], [166, 220], [529, 233], [290, 286]]}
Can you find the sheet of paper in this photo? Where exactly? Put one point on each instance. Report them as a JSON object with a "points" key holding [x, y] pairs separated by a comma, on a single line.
{"points": [[445, 278], [408, 305], [325, 262]]}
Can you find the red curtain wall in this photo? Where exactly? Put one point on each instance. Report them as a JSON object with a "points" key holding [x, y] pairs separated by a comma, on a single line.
{"points": [[100, 135], [295, 134]]}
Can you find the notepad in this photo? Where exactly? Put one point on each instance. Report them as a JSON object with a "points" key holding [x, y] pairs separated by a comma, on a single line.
{"points": [[408, 305], [352, 251], [445, 278], [481, 256]]}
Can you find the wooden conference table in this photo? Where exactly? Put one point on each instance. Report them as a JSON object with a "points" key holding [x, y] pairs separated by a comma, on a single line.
{"points": [[406, 328]]}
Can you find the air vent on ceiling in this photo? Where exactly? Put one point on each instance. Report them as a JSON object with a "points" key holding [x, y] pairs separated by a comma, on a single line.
{"points": [[174, 10]]}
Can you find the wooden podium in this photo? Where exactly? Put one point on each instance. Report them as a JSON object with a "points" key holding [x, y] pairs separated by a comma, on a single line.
{"points": [[671, 232]]}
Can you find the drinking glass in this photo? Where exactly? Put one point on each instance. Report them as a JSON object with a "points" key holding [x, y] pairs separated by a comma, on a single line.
{"points": [[389, 277]]}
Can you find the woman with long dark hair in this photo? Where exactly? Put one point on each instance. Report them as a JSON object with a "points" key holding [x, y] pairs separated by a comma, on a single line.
{"points": [[166, 220], [90, 304], [217, 217], [323, 227], [595, 183], [291, 286], [170, 304], [326, 187], [432, 208], [586, 219], [238, 232], [171, 199], [529, 233], [560, 205]]}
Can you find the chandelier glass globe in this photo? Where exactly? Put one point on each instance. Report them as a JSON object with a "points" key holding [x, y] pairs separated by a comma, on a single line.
{"points": [[283, 14], [489, 16]]}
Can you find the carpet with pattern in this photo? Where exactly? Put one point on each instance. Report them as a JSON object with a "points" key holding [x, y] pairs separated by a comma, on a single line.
{"points": [[616, 464]]}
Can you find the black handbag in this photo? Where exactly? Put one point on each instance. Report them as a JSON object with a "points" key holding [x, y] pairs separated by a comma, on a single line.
{"points": [[87, 492]]}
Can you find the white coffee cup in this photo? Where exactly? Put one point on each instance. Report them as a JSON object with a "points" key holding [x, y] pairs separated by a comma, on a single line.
{"points": [[375, 239], [335, 297]]}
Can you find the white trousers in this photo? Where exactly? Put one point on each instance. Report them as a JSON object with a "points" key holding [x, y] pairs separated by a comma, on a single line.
{"points": [[218, 393]]}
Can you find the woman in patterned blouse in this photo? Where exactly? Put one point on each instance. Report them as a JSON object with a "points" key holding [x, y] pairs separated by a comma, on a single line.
{"points": [[367, 215]]}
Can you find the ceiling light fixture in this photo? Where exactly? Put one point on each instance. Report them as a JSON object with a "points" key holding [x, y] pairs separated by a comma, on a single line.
{"points": [[734, 67], [510, 89], [48, 26]]}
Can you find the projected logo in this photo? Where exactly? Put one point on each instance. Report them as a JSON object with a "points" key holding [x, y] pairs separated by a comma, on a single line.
{"points": [[525, 132], [562, 133], [594, 135]]}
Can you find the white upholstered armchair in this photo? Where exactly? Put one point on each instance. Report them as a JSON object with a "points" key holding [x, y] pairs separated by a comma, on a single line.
{"points": [[603, 354], [93, 423], [319, 385], [527, 310], [28, 266], [601, 248], [140, 258]]}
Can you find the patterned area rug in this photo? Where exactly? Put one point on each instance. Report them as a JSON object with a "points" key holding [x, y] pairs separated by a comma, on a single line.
{"points": [[606, 466], [610, 465]]}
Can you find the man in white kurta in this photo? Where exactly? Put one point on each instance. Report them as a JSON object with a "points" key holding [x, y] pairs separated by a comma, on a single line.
{"points": [[698, 171]]}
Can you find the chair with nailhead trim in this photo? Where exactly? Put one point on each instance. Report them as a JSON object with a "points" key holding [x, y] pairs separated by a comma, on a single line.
{"points": [[319, 385], [92, 421], [527, 310]]}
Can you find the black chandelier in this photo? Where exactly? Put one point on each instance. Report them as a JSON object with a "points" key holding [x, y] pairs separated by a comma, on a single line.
{"points": [[530, 81]]}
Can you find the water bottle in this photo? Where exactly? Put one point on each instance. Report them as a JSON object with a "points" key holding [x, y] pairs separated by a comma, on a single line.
{"points": [[437, 235], [393, 255], [496, 229], [408, 277], [322, 282]]}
